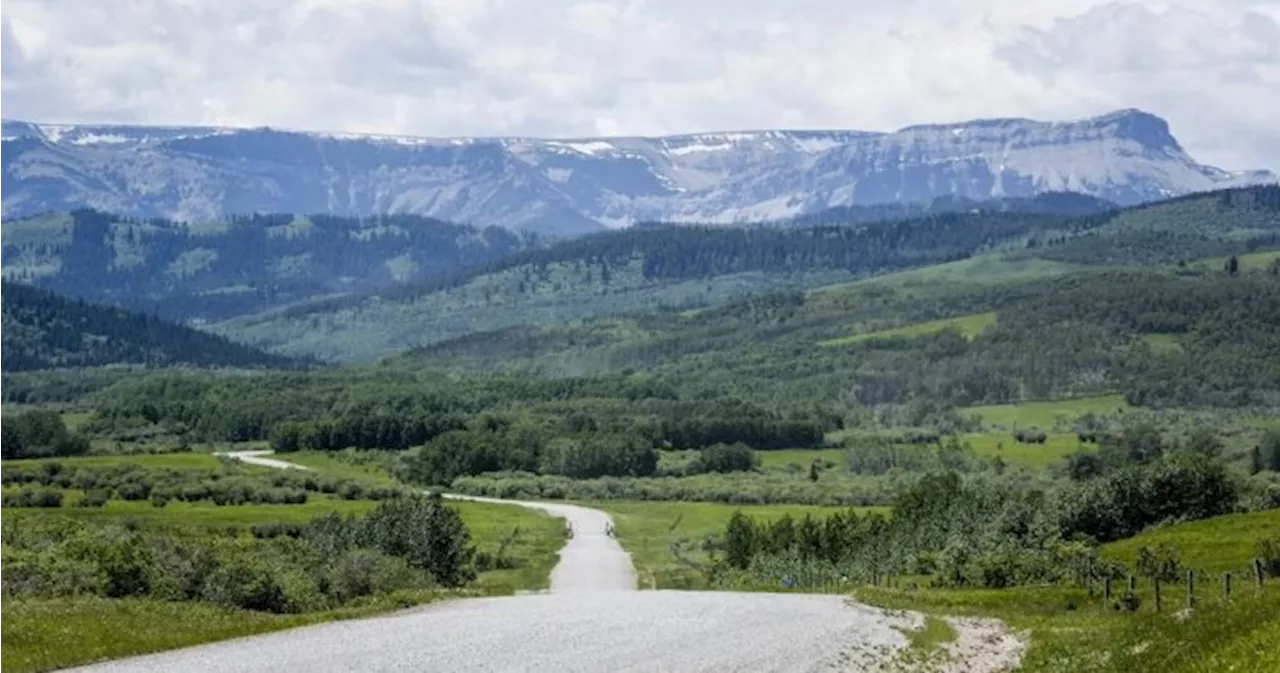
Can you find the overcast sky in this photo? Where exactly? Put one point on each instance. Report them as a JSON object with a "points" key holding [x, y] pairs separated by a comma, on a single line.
{"points": [[579, 67]]}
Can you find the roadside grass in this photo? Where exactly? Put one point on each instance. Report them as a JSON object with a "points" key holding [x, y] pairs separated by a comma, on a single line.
{"points": [[647, 530], [327, 464], [1072, 632], [44, 634], [48, 634], [1217, 545], [969, 326], [933, 634], [1047, 415], [924, 650]]}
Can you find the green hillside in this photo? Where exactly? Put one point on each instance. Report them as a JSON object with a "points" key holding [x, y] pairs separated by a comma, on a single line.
{"points": [[43, 330], [200, 271], [652, 269], [667, 268]]}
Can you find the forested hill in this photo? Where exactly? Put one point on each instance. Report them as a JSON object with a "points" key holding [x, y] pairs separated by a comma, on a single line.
{"points": [[678, 267], [1047, 203], [42, 330], [209, 271], [676, 252], [684, 267]]}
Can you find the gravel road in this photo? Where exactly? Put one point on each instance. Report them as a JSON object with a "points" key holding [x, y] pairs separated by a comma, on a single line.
{"points": [[592, 620], [590, 561], [579, 631]]}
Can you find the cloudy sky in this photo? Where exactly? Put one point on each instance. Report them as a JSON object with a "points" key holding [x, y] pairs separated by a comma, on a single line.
{"points": [[607, 67]]}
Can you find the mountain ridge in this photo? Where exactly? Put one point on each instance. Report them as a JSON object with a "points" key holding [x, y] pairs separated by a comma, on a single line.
{"points": [[570, 186]]}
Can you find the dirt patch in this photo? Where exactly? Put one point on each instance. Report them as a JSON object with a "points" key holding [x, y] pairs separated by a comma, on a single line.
{"points": [[982, 646]]}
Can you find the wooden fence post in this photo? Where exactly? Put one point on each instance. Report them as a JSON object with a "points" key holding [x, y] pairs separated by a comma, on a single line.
{"points": [[1155, 583], [1106, 590], [1133, 584], [1226, 586], [1257, 572], [1191, 589]]}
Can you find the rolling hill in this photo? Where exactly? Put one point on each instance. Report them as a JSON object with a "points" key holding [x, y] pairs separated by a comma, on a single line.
{"points": [[42, 330], [672, 269], [213, 270]]}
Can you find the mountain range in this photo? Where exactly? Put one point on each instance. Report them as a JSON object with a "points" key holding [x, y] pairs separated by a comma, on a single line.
{"points": [[574, 186]]}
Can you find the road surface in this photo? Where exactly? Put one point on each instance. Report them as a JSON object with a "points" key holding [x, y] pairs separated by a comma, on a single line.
{"points": [[590, 561], [592, 620]]}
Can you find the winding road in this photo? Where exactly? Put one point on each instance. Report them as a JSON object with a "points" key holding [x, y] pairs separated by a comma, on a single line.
{"points": [[592, 619]]}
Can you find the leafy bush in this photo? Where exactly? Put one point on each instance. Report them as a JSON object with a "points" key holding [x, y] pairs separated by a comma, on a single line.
{"points": [[33, 497], [1268, 550], [726, 458]]}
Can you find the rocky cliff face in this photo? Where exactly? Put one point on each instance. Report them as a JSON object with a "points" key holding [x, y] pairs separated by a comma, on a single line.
{"points": [[574, 186]]}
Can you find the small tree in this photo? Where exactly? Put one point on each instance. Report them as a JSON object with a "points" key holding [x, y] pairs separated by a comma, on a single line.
{"points": [[1268, 451], [740, 541], [424, 532], [1204, 441], [1159, 562], [1232, 266]]}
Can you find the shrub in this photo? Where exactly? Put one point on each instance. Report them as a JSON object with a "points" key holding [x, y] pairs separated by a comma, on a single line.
{"points": [[95, 498], [424, 532], [1268, 550], [245, 582], [1128, 602], [365, 572], [33, 497], [726, 458], [267, 531]]}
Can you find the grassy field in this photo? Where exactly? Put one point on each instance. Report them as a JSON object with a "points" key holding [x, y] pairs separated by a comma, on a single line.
{"points": [[799, 460], [323, 462], [1047, 415], [1055, 449], [1252, 261], [42, 635], [990, 268], [648, 529], [1216, 545], [184, 461], [968, 326], [1163, 343], [52, 633], [1071, 632]]}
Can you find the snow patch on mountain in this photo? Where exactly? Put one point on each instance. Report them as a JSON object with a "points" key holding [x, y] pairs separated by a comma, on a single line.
{"points": [[580, 184]]}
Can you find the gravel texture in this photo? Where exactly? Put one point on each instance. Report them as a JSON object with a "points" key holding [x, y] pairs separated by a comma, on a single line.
{"points": [[577, 631]]}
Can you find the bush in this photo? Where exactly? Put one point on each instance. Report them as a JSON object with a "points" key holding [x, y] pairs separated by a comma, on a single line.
{"points": [[726, 458], [1268, 550], [248, 583], [96, 498], [364, 572], [267, 531], [1129, 602], [424, 532], [33, 497]]}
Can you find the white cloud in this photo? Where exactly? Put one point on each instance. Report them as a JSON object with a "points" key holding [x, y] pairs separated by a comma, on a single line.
{"points": [[589, 67]]}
